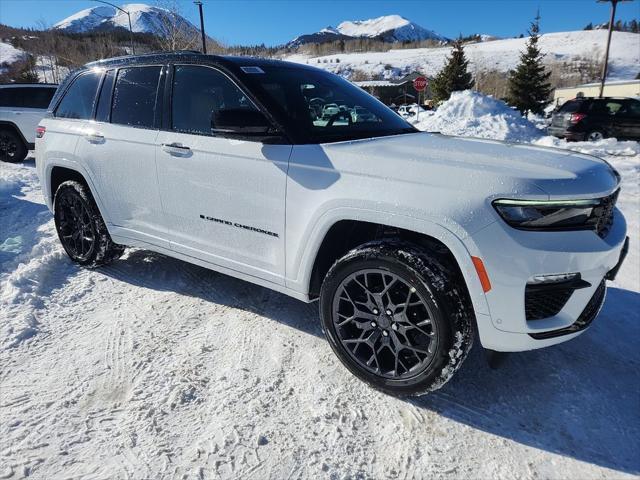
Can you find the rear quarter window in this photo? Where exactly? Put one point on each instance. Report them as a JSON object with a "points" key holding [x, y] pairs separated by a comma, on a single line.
{"points": [[80, 98]]}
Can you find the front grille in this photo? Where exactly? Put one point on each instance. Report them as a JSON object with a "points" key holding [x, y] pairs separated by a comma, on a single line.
{"points": [[545, 302], [602, 216], [587, 316]]}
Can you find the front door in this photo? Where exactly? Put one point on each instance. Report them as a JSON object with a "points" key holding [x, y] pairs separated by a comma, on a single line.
{"points": [[224, 199]]}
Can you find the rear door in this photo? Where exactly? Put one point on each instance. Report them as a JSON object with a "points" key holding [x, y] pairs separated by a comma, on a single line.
{"points": [[224, 197], [119, 149], [627, 120]]}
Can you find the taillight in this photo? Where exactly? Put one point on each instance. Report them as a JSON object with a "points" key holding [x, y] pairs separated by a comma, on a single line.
{"points": [[40, 131], [576, 117]]}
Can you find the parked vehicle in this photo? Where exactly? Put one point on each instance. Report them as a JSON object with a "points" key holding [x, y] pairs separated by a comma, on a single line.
{"points": [[406, 111], [329, 110], [411, 242], [360, 114], [22, 106], [593, 119]]}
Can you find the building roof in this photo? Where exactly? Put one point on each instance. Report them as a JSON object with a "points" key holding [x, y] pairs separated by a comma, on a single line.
{"points": [[596, 84]]}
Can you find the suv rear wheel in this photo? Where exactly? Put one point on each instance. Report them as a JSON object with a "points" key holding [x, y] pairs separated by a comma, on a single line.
{"points": [[595, 136], [396, 317], [12, 148], [80, 226]]}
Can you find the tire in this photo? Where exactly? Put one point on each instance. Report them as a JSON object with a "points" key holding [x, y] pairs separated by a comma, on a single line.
{"points": [[80, 227], [443, 337], [595, 135], [12, 148]]}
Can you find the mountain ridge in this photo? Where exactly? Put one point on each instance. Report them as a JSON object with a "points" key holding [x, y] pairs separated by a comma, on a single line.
{"points": [[144, 19], [387, 28]]}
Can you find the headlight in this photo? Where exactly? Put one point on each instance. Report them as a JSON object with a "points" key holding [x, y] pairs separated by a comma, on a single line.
{"points": [[549, 215]]}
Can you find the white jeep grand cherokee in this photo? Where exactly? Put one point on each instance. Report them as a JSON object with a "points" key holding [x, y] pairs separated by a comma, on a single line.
{"points": [[411, 241]]}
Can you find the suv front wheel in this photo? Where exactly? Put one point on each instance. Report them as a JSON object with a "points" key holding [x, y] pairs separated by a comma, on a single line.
{"points": [[397, 318], [80, 226]]}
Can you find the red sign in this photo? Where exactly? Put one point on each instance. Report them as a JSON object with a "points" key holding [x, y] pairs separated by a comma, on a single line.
{"points": [[420, 84]]}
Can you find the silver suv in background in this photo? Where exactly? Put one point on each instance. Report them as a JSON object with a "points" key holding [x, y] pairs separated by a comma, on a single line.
{"points": [[22, 106]]}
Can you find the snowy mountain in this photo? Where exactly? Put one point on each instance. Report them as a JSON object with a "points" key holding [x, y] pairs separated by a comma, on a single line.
{"points": [[389, 28], [501, 55], [144, 19]]}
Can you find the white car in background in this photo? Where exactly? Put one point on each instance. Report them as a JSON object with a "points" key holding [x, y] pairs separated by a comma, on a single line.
{"points": [[411, 242], [22, 106]]}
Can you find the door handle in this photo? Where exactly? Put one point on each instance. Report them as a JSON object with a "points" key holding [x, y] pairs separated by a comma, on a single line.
{"points": [[94, 137], [176, 149]]}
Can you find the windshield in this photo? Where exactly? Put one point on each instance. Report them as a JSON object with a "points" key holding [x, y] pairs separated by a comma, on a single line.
{"points": [[322, 107]]}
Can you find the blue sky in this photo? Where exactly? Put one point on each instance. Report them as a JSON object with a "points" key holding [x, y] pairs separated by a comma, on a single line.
{"points": [[277, 21]]}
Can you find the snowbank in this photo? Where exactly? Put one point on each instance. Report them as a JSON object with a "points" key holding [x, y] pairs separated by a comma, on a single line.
{"points": [[472, 114]]}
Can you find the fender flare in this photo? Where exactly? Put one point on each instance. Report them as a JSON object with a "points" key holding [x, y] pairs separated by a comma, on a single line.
{"points": [[7, 123], [459, 249], [71, 165]]}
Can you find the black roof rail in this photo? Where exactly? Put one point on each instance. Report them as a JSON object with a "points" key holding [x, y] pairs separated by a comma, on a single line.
{"points": [[2, 84]]}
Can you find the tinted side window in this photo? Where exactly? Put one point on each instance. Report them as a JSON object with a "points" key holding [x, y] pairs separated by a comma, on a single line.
{"points": [[26, 97], [134, 96], [12, 97], [80, 98], [38, 97], [198, 92], [631, 109], [606, 107]]}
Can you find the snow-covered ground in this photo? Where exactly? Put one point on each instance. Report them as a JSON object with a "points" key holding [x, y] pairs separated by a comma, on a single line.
{"points": [[501, 55], [9, 54], [155, 368]]}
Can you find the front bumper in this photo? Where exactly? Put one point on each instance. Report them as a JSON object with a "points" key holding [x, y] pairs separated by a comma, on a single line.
{"points": [[513, 257]]}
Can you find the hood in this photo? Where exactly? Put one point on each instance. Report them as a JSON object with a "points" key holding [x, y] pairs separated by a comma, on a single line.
{"points": [[488, 167]]}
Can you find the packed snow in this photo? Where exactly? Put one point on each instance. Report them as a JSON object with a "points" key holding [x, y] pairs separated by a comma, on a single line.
{"points": [[502, 55], [472, 114], [155, 368]]}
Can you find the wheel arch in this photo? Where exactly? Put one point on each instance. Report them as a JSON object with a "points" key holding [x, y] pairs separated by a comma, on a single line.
{"points": [[345, 234], [57, 173], [16, 129]]}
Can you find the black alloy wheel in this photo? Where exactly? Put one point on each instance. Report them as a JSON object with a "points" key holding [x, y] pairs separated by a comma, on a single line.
{"points": [[385, 324]]}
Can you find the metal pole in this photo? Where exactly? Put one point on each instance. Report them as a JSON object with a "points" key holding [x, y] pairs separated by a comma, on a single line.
{"points": [[204, 42], [128, 15], [133, 48], [606, 54]]}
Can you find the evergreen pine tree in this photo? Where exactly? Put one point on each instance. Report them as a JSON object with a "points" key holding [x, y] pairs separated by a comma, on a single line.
{"points": [[589, 26], [529, 87], [454, 75]]}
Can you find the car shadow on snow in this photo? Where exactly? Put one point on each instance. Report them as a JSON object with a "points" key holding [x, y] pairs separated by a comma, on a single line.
{"points": [[580, 399]]}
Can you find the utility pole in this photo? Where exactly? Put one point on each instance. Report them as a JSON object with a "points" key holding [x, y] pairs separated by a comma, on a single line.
{"points": [[204, 40], [614, 4], [133, 50]]}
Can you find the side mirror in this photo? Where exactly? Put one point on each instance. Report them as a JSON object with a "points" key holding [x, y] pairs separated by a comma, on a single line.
{"points": [[240, 121]]}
